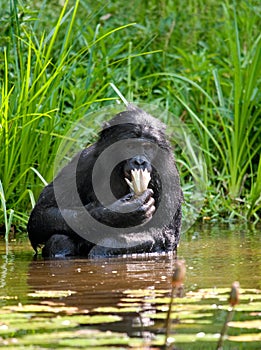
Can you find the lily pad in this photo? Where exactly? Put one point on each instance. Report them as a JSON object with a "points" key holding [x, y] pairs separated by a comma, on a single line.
{"points": [[197, 319], [51, 293], [7, 297], [250, 324], [110, 309], [253, 337], [42, 308]]}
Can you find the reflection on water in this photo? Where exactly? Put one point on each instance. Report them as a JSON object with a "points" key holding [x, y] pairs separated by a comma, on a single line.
{"points": [[221, 255], [215, 257], [99, 282]]}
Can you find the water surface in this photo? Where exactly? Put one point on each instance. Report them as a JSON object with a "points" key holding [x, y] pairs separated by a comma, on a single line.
{"points": [[215, 257]]}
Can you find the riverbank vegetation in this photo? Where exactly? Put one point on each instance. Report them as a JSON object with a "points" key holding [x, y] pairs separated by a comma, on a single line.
{"points": [[201, 62]]}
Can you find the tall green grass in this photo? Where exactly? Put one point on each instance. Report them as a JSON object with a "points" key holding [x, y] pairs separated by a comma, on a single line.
{"points": [[202, 64], [29, 109], [226, 117], [47, 84]]}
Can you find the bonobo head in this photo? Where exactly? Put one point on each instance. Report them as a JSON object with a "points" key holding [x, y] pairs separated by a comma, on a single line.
{"points": [[138, 137]]}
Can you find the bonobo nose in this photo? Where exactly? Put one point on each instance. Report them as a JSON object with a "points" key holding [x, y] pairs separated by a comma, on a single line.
{"points": [[136, 162], [140, 162]]}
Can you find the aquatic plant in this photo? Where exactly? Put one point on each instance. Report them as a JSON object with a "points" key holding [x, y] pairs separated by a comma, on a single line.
{"points": [[56, 64], [178, 276], [37, 105], [233, 300]]}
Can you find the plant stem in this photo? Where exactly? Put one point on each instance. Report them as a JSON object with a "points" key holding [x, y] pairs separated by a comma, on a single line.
{"points": [[168, 319], [229, 317]]}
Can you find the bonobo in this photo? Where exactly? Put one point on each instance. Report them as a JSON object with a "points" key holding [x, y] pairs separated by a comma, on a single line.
{"points": [[121, 195]]}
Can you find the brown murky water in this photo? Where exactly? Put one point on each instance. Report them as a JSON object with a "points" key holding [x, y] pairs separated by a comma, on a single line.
{"points": [[215, 257]]}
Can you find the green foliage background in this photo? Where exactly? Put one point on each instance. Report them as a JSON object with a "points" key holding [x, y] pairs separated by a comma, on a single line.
{"points": [[201, 61]]}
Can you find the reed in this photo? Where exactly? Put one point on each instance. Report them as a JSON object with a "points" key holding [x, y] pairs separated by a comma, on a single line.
{"points": [[202, 66], [37, 106], [227, 124], [178, 276], [233, 301]]}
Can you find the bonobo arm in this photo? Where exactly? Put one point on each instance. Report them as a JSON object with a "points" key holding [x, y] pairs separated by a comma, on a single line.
{"points": [[46, 222], [127, 211], [139, 242]]}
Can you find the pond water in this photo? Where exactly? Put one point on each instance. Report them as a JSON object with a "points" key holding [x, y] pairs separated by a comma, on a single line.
{"points": [[122, 302]]}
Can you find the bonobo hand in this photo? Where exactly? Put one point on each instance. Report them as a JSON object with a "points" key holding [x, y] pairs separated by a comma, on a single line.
{"points": [[138, 209], [130, 210]]}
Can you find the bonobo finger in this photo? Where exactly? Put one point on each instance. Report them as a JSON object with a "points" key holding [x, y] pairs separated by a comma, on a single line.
{"points": [[150, 212], [150, 202], [148, 208], [147, 214], [127, 197], [146, 195]]}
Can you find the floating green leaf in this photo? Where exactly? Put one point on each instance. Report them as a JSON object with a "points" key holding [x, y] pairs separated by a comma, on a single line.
{"points": [[33, 308], [250, 324], [51, 293], [254, 337]]}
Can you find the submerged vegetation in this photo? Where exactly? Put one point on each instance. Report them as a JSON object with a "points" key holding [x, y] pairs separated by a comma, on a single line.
{"points": [[202, 63]]}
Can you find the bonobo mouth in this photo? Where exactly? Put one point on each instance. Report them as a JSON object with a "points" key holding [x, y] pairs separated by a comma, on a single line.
{"points": [[138, 162], [137, 174]]}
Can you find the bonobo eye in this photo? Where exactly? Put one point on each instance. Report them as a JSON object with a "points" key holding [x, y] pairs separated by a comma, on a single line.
{"points": [[142, 147], [149, 150]]}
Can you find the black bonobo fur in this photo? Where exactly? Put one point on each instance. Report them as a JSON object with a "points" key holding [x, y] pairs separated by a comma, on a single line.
{"points": [[69, 219]]}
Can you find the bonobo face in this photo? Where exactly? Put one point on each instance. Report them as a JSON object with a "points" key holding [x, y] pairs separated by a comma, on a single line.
{"points": [[143, 154], [139, 153]]}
